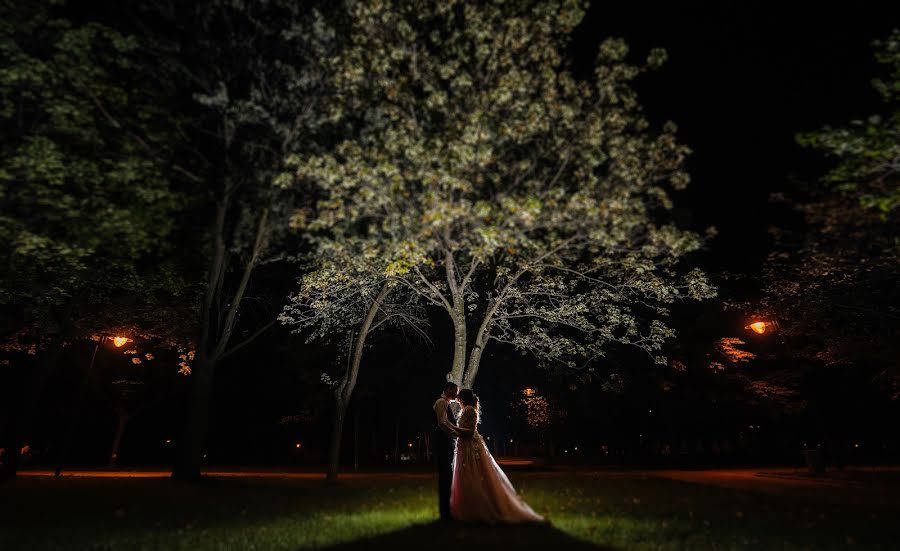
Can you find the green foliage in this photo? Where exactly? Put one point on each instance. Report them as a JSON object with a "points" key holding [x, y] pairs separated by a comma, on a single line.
{"points": [[86, 188], [833, 284], [491, 182], [867, 153]]}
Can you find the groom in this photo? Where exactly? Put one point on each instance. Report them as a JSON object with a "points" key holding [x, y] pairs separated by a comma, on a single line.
{"points": [[444, 434]]}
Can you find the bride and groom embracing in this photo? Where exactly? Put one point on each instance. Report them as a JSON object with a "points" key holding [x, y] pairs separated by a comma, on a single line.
{"points": [[471, 486]]}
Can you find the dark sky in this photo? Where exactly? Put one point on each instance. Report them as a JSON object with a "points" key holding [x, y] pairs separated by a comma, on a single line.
{"points": [[742, 79]]}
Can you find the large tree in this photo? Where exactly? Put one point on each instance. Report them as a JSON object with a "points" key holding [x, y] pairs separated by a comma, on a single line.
{"points": [[526, 203], [88, 190], [250, 69]]}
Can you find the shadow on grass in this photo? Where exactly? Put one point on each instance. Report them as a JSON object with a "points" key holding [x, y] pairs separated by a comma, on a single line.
{"points": [[456, 536]]}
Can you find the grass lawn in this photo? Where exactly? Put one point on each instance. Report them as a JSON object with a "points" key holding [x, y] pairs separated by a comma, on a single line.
{"points": [[590, 510]]}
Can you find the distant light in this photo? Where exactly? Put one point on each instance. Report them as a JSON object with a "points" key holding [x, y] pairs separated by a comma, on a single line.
{"points": [[409, 445], [759, 327], [168, 440], [297, 445], [649, 411], [855, 445], [529, 391], [576, 448], [120, 341], [510, 439]]}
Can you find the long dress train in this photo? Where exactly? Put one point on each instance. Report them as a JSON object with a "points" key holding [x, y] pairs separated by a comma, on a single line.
{"points": [[481, 491]]}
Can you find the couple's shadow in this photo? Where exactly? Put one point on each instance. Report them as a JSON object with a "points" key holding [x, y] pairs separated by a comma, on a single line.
{"points": [[456, 536]]}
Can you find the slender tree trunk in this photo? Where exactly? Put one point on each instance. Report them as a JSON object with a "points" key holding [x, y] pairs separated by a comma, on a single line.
{"points": [[472, 368], [345, 391], [123, 419], [481, 341]]}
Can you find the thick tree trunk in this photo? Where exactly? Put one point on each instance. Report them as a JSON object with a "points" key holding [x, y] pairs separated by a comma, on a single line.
{"points": [[190, 448], [122, 423], [337, 432], [459, 343], [213, 340]]}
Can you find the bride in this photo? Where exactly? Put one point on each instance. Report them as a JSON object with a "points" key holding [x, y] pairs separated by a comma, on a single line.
{"points": [[481, 491]]}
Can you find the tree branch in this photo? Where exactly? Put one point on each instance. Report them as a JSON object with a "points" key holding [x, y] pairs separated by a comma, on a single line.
{"points": [[246, 341]]}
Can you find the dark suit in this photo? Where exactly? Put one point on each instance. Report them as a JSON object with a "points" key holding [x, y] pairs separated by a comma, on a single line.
{"points": [[443, 455]]}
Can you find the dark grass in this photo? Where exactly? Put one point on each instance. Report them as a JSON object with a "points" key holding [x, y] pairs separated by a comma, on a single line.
{"points": [[585, 511]]}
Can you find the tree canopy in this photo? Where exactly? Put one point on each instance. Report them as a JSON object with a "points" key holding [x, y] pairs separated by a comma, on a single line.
{"points": [[528, 204]]}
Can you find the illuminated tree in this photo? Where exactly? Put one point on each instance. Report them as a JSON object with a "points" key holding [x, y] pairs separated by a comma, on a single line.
{"points": [[527, 204], [345, 296]]}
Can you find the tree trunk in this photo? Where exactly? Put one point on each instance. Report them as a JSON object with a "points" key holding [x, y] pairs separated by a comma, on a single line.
{"points": [[481, 340], [337, 431], [344, 392], [18, 428], [190, 448], [459, 344], [213, 340], [472, 368], [117, 441]]}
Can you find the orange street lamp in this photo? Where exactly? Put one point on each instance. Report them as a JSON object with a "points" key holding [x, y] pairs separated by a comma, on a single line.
{"points": [[529, 391], [120, 341], [758, 327]]}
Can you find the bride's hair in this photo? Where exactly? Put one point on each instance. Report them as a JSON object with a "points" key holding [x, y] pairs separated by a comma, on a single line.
{"points": [[469, 398]]}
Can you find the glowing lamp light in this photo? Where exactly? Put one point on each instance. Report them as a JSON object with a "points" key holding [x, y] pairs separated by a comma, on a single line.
{"points": [[759, 327], [120, 341], [529, 391], [297, 445]]}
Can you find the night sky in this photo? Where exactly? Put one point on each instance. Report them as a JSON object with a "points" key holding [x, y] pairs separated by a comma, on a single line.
{"points": [[741, 80]]}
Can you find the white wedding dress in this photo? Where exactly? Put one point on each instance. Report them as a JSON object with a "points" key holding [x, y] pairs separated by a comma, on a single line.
{"points": [[481, 491]]}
